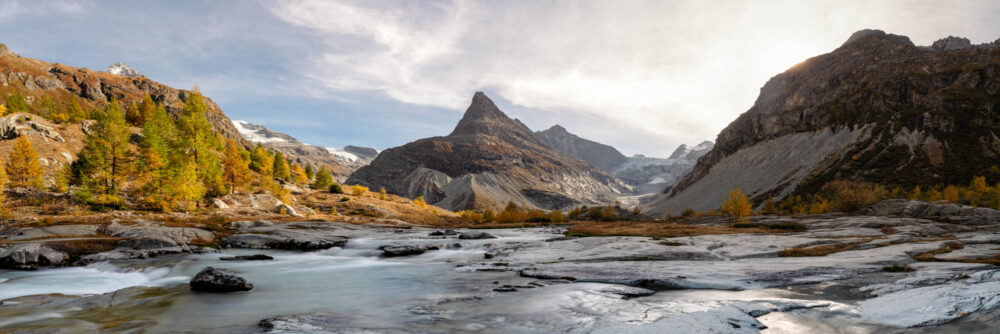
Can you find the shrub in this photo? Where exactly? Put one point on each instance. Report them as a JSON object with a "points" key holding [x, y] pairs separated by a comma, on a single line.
{"points": [[358, 190], [345, 199], [898, 268], [420, 202], [335, 188], [769, 207], [471, 215], [636, 211], [556, 216], [382, 194], [575, 213], [688, 213], [512, 214], [849, 196], [737, 206], [489, 215], [538, 216]]}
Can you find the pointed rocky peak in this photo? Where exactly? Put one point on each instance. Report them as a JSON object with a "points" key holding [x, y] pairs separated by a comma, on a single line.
{"points": [[876, 38], [484, 117], [121, 69], [951, 43], [557, 129]]}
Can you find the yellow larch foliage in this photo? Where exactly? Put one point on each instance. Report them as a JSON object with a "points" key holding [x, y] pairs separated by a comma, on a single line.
{"points": [[299, 174], [22, 167], [235, 167], [737, 206]]}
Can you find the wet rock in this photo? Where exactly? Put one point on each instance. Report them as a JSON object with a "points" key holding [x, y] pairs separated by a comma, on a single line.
{"points": [[443, 233], [30, 256], [405, 250], [25, 233], [255, 257], [939, 211], [933, 305], [217, 280], [149, 235], [476, 235]]}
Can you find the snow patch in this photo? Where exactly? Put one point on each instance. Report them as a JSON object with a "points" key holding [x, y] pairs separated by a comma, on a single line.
{"points": [[339, 152], [255, 133]]}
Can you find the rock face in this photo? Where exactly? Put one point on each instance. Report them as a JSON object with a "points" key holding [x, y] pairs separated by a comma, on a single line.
{"points": [[487, 161], [24, 124], [295, 150], [877, 108], [954, 213], [217, 280], [30, 256], [603, 156]]}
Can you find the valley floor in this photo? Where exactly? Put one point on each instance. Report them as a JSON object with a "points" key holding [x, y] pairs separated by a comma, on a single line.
{"points": [[841, 274]]}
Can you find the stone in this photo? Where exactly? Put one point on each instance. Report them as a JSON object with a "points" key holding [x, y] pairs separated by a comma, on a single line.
{"points": [[476, 235], [443, 233], [30, 256], [255, 257], [405, 250], [22, 124], [217, 280], [219, 204], [286, 209]]}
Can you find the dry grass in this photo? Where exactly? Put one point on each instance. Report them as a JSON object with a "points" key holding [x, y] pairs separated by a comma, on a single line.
{"points": [[84, 246], [821, 250], [653, 229]]}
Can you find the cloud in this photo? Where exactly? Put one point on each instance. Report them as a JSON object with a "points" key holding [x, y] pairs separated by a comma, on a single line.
{"points": [[663, 72]]}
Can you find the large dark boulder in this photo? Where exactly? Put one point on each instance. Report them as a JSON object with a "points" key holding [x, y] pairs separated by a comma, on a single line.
{"points": [[217, 280], [476, 235], [405, 250]]}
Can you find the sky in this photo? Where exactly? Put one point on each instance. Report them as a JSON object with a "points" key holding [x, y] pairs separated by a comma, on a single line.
{"points": [[643, 76]]}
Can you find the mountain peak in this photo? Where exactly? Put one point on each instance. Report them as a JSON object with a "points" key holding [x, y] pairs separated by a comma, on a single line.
{"points": [[875, 37], [484, 117], [4, 50], [121, 69], [951, 43]]}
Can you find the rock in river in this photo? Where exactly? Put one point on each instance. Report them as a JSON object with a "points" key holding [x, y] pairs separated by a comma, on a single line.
{"points": [[217, 280], [476, 235], [404, 250], [255, 257]]}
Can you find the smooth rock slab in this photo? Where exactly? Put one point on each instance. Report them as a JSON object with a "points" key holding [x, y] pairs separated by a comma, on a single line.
{"points": [[217, 280], [476, 236], [931, 305]]}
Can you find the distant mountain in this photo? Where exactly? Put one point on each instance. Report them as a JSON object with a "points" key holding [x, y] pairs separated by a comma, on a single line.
{"points": [[488, 160], [121, 69], [652, 175], [606, 157], [878, 108], [645, 174], [341, 164]]}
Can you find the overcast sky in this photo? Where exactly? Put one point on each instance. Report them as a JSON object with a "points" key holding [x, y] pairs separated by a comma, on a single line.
{"points": [[643, 76]]}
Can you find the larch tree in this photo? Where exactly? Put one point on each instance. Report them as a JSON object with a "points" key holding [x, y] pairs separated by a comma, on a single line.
{"points": [[169, 178], [106, 160], [3, 184], [298, 174], [74, 111], [310, 172], [199, 143], [281, 166], [737, 206], [236, 167], [16, 103], [22, 167], [323, 179]]}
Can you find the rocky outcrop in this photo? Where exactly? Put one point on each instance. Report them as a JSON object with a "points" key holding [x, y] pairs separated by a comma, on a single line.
{"points": [[217, 280], [121, 69], [150, 235], [292, 236], [476, 235], [939, 211], [877, 108], [487, 161], [24, 124], [30, 256]]}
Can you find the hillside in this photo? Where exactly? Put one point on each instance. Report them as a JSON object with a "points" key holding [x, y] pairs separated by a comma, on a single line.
{"points": [[341, 165], [488, 160], [878, 108], [603, 156]]}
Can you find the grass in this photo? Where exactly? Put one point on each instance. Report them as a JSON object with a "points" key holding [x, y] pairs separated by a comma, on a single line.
{"points": [[822, 250], [652, 229], [784, 226], [84, 246]]}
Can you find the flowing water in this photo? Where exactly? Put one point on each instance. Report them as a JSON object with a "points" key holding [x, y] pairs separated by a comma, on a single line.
{"points": [[353, 289]]}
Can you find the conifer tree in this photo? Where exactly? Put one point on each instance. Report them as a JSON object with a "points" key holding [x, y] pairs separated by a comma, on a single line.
{"points": [[74, 111], [310, 173], [22, 167], [737, 206], [3, 184], [199, 143], [146, 110], [298, 174], [323, 179], [281, 166], [16, 103], [257, 157], [236, 168], [106, 161], [133, 115], [168, 176]]}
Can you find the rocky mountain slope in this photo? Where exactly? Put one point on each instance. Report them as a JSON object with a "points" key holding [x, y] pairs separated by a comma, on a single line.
{"points": [[878, 108], [603, 156], [645, 174], [340, 164], [488, 160]]}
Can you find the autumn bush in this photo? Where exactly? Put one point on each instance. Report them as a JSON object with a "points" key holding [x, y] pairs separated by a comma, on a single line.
{"points": [[737, 206], [419, 202], [358, 190], [850, 196]]}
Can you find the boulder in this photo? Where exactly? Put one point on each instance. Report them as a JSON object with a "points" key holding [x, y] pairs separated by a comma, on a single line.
{"points": [[476, 235], [286, 209], [404, 250], [149, 235], [940, 211], [21, 124], [219, 204], [443, 233], [217, 280], [30, 256], [255, 257]]}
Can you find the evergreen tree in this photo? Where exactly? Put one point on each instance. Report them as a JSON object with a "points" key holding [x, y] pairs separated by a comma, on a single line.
{"points": [[3, 184], [106, 161], [74, 111], [323, 179], [16, 103], [310, 173], [198, 142], [281, 166], [132, 114], [235, 166], [257, 157], [146, 110], [22, 167], [298, 174]]}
